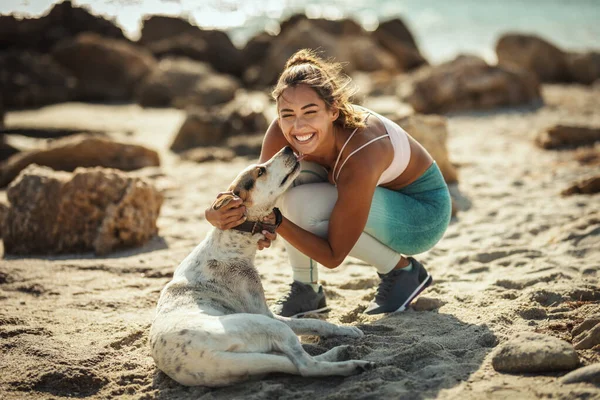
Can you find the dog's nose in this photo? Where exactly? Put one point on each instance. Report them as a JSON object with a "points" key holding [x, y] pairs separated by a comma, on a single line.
{"points": [[287, 150]]}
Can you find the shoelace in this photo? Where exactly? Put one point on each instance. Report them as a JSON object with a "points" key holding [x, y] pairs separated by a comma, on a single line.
{"points": [[385, 286], [294, 289]]}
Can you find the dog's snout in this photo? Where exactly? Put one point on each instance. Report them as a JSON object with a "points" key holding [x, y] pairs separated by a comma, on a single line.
{"points": [[287, 150]]}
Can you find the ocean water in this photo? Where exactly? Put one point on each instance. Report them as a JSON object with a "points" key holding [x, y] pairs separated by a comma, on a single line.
{"points": [[442, 29]]}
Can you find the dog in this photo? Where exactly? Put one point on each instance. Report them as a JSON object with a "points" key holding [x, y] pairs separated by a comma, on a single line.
{"points": [[213, 326]]}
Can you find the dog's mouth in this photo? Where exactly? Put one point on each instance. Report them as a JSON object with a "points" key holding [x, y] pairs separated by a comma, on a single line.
{"points": [[292, 172]]}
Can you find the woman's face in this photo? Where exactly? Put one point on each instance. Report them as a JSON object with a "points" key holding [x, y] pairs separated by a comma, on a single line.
{"points": [[305, 120]]}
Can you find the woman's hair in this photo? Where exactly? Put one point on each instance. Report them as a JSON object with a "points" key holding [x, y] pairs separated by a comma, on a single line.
{"points": [[324, 77]]}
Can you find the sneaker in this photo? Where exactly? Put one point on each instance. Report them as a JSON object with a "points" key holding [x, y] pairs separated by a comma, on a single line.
{"points": [[301, 299], [398, 288]]}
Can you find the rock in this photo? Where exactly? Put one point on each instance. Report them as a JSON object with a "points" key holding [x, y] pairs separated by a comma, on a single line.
{"points": [[589, 374], [584, 67], [534, 54], [586, 186], [204, 154], [299, 36], [180, 82], [365, 55], [29, 79], [531, 352], [585, 325], [339, 27], [588, 338], [91, 209], [468, 83], [565, 136], [427, 304], [200, 129], [256, 48], [63, 21], [68, 153], [394, 36], [247, 113], [432, 133], [106, 69], [171, 36]]}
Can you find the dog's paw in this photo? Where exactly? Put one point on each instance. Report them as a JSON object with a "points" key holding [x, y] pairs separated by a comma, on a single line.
{"points": [[352, 331], [362, 366]]}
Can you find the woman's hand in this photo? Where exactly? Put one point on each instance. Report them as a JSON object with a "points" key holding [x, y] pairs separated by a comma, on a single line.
{"points": [[266, 242], [230, 215]]}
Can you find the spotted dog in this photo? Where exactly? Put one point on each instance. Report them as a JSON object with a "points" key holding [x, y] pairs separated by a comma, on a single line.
{"points": [[212, 325]]}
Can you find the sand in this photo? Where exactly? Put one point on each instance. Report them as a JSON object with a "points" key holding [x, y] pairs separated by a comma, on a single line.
{"points": [[517, 258]]}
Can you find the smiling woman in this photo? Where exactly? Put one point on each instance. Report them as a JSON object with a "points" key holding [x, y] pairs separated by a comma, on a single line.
{"points": [[366, 189]]}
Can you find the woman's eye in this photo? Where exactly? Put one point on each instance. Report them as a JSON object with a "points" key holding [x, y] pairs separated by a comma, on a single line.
{"points": [[311, 112], [285, 116]]}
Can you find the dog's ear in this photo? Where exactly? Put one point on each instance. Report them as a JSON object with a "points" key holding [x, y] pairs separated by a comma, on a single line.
{"points": [[222, 200]]}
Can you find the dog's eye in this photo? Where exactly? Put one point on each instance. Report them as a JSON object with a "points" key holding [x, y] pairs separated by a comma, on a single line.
{"points": [[261, 171]]}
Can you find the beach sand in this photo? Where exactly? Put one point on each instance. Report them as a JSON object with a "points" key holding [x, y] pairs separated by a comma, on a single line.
{"points": [[518, 258]]}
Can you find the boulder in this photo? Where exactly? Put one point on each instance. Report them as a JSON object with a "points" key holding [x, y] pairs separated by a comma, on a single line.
{"points": [[365, 55], [63, 21], [299, 36], [248, 113], [431, 131], [534, 54], [106, 69], [94, 209], [469, 83], [584, 67], [586, 186], [68, 153], [339, 27], [529, 352], [181, 82], [394, 36], [30, 79], [567, 136], [201, 128], [170, 36]]}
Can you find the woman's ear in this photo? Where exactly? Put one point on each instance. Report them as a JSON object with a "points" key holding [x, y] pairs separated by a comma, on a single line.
{"points": [[335, 113]]}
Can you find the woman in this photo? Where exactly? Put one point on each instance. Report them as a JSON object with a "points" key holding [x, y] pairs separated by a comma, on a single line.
{"points": [[367, 189]]}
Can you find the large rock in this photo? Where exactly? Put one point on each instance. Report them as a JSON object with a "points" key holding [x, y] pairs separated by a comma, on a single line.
{"points": [[365, 55], [584, 67], [29, 79], [170, 36], [91, 209], [531, 352], [61, 22], [565, 136], [106, 69], [394, 36], [469, 83], [200, 129], [181, 82], [431, 131], [340, 27], [80, 151], [534, 54]]}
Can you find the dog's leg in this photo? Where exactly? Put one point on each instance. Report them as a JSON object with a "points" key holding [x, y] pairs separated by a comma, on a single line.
{"points": [[260, 333], [317, 327], [338, 353]]}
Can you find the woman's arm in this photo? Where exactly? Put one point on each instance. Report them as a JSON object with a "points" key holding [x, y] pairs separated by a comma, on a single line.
{"points": [[356, 187], [272, 142]]}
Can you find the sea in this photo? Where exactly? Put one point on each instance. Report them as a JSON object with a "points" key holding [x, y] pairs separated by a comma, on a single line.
{"points": [[442, 28]]}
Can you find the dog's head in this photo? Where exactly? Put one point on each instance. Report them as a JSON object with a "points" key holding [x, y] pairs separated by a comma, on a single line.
{"points": [[260, 185]]}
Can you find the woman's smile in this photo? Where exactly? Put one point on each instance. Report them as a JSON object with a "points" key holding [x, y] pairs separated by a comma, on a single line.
{"points": [[304, 138]]}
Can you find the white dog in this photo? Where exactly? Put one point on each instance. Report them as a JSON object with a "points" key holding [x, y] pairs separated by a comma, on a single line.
{"points": [[212, 324]]}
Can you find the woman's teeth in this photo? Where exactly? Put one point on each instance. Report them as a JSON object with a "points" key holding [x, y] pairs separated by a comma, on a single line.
{"points": [[304, 138]]}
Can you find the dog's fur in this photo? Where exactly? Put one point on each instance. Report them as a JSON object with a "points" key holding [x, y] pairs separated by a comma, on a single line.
{"points": [[212, 324]]}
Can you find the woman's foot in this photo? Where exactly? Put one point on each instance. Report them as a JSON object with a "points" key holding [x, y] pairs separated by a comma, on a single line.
{"points": [[398, 288], [300, 300]]}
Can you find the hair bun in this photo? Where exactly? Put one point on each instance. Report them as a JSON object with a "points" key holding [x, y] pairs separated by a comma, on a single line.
{"points": [[304, 56]]}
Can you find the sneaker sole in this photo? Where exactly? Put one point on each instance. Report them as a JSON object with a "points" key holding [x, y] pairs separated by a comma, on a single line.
{"points": [[414, 294], [317, 311]]}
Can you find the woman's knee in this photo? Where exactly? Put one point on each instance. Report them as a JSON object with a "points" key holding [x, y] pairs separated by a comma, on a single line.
{"points": [[309, 205]]}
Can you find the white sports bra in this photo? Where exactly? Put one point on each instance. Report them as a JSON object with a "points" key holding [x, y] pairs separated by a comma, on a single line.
{"points": [[400, 143]]}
